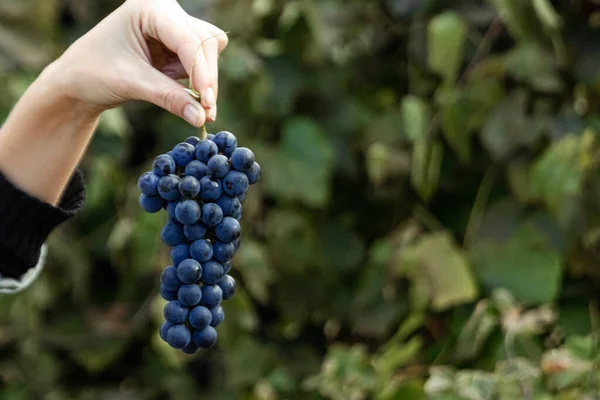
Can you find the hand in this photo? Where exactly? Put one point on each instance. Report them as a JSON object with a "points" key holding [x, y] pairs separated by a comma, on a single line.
{"points": [[138, 52]]}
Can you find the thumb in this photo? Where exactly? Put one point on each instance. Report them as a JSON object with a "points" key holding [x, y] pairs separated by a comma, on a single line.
{"points": [[155, 87]]}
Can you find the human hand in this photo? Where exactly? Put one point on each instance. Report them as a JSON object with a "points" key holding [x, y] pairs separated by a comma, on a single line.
{"points": [[138, 52]]}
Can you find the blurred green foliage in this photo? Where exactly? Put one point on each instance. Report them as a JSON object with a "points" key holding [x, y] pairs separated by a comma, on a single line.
{"points": [[427, 226]]}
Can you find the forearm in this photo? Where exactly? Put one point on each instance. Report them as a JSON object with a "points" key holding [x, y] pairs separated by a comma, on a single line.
{"points": [[45, 136]]}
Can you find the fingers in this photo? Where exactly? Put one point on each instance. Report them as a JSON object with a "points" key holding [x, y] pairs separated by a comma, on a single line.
{"points": [[155, 87]]}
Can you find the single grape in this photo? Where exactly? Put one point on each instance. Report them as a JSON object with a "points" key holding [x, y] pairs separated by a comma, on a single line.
{"points": [[171, 205], [223, 251], [148, 183], [227, 285], [172, 233], [199, 317], [226, 142], [183, 153], [169, 279], [170, 154], [226, 267], [210, 136], [189, 294], [201, 250], [210, 188], [193, 140], [178, 336], [242, 196], [187, 212], [229, 205], [205, 338], [164, 328], [163, 165], [151, 204], [168, 187], [235, 183], [179, 253], [205, 149], [211, 214], [189, 271], [191, 348], [253, 174], [212, 272], [189, 187], [238, 214], [175, 312], [228, 230], [218, 165], [217, 316], [242, 159], [195, 232], [167, 294], [212, 295], [236, 243], [197, 169]]}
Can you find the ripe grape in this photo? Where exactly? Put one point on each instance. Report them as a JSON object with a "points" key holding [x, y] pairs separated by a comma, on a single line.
{"points": [[238, 214], [183, 153], [201, 250], [175, 312], [210, 136], [171, 205], [205, 149], [163, 165], [190, 348], [164, 328], [195, 232], [199, 317], [205, 338], [253, 174], [169, 279], [223, 251], [193, 140], [187, 212], [217, 316], [151, 204], [226, 266], [242, 159], [212, 295], [226, 142], [168, 187], [178, 336], [189, 271], [236, 243], [189, 187], [229, 205], [167, 294], [180, 253], [235, 183], [189, 294], [227, 285], [197, 169], [148, 183], [228, 230], [212, 272], [242, 196], [210, 188], [212, 214], [218, 165], [172, 233]]}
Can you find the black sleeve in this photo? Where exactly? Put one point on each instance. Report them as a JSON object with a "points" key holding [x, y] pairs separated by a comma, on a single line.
{"points": [[26, 222]]}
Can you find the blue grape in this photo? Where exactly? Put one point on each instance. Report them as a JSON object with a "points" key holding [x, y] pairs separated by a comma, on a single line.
{"points": [[211, 214], [218, 165], [168, 187], [170, 154], [223, 251], [175, 312], [148, 183], [236, 243], [190, 348], [163, 165], [151, 204], [172, 233], [227, 285], [189, 187], [226, 142], [228, 230], [183, 153], [189, 294], [187, 212], [169, 279], [164, 328], [229, 205], [217, 316], [178, 336], [211, 188], [212, 272], [167, 294], [189, 271], [205, 338], [195, 232], [212, 295], [193, 140], [235, 183], [242, 159], [253, 174], [242, 196], [179, 253], [210, 136], [205, 149], [197, 169], [199, 317], [238, 214], [171, 205], [226, 267], [201, 250]]}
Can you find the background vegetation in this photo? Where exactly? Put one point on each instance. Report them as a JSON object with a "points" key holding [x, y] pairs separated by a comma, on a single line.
{"points": [[427, 226]]}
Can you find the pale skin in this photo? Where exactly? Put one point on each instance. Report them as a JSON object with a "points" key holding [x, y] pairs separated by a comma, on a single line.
{"points": [[137, 52]]}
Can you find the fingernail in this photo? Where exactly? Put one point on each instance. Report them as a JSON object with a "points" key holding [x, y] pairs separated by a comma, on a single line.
{"points": [[191, 114], [212, 114], [209, 98]]}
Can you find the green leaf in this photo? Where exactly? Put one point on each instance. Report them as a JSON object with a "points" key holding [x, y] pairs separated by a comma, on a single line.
{"points": [[416, 117], [426, 166], [525, 264], [437, 263], [446, 34], [99, 354], [529, 63], [254, 266]]}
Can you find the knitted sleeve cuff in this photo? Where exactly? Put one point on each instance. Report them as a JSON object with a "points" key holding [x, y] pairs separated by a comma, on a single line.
{"points": [[26, 222]]}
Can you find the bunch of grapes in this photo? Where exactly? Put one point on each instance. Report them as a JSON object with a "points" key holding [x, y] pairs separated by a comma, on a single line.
{"points": [[201, 184]]}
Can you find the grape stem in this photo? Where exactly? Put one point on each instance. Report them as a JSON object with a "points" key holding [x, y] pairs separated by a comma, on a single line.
{"points": [[193, 92]]}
